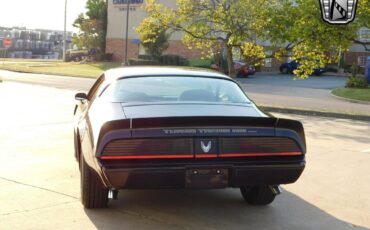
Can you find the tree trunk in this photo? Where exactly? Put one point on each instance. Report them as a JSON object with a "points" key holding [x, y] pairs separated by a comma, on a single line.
{"points": [[229, 59]]}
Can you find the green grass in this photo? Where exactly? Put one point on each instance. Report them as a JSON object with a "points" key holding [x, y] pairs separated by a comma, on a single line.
{"points": [[27, 60], [56, 67], [351, 93], [92, 70], [205, 63]]}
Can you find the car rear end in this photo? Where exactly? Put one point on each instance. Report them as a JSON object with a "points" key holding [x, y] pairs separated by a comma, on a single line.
{"points": [[200, 152]]}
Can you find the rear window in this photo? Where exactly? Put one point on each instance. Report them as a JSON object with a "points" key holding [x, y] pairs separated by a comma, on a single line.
{"points": [[173, 89]]}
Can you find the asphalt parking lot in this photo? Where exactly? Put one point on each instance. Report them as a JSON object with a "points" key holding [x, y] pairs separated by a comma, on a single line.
{"points": [[267, 89], [313, 93], [39, 178]]}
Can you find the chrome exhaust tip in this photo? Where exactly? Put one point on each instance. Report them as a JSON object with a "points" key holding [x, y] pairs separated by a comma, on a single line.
{"points": [[276, 189], [113, 194]]}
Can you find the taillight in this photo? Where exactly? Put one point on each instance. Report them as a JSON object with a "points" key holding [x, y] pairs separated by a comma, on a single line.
{"points": [[149, 148], [258, 146], [185, 148]]}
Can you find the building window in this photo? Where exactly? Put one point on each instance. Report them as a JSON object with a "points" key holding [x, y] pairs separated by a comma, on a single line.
{"points": [[364, 35], [361, 61], [268, 61]]}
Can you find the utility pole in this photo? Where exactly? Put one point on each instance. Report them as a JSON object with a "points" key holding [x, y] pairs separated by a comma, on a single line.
{"points": [[65, 31], [126, 44]]}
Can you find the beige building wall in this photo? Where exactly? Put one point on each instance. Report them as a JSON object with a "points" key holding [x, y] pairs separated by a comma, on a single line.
{"points": [[116, 31]]}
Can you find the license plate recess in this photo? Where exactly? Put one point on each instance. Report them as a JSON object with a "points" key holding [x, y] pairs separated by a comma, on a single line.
{"points": [[207, 178]]}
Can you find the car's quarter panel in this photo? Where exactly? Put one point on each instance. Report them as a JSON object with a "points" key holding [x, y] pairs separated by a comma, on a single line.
{"points": [[101, 112], [92, 119], [284, 127]]}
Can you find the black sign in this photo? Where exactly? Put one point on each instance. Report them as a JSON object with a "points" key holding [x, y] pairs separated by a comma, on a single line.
{"points": [[133, 2]]}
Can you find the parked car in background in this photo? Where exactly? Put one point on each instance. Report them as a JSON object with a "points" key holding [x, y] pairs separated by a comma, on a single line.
{"points": [[289, 67], [77, 55], [242, 69]]}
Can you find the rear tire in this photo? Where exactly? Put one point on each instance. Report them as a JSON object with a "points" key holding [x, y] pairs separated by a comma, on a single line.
{"points": [[93, 192], [258, 195]]}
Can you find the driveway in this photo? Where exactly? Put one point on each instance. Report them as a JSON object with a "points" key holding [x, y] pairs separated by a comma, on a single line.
{"points": [[39, 178], [284, 91]]}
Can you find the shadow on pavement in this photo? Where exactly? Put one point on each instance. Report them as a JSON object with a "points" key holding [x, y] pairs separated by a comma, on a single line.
{"points": [[209, 209]]}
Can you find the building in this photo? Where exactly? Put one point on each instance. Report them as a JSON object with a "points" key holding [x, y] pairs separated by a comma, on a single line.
{"points": [[117, 13], [357, 53], [34, 43], [116, 33]]}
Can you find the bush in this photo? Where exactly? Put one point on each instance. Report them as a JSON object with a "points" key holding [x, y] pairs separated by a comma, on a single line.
{"points": [[201, 63], [146, 57], [359, 69], [356, 82], [173, 60], [106, 57], [136, 62], [169, 60], [347, 68], [332, 68]]}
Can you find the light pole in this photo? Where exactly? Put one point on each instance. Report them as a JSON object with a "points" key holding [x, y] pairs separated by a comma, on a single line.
{"points": [[65, 31], [126, 44]]}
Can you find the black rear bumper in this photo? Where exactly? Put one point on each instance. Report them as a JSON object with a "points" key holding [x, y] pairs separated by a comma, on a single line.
{"points": [[202, 176]]}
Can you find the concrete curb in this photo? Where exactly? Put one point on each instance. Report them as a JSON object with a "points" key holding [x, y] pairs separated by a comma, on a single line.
{"points": [[315, 113], [348, 99]]}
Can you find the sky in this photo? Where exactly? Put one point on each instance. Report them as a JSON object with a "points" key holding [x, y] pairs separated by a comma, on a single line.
{"points": [[40, 14]]}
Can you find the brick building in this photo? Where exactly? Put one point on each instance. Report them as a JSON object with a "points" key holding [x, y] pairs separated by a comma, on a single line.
{"points": [[357, 54], [116, 33]]}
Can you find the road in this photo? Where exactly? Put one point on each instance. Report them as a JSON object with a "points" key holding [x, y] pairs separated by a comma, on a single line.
{"points": [[39, 178], [279, 90], [274, 90]]}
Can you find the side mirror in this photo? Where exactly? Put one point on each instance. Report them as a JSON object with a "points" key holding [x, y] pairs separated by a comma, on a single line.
{"points": [[81, 97]]}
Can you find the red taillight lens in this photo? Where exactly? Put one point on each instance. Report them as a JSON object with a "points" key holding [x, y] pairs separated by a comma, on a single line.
{"points": [[259, 145], [149, 147], [184, 148]]}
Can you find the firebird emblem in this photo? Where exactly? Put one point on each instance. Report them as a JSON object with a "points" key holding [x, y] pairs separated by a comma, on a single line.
{"points": [[207, 147]]}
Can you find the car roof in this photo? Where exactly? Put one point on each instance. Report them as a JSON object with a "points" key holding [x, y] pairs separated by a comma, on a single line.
{"points": [[136, 71]]}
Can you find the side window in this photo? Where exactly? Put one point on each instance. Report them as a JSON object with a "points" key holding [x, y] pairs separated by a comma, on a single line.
{"points": [[95, 87]]}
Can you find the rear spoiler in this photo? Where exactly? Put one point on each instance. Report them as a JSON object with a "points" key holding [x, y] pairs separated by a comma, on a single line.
{"points": [[198, 126]]}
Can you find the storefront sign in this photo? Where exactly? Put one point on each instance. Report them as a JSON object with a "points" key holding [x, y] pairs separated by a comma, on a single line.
{"points": [[122, 4]]}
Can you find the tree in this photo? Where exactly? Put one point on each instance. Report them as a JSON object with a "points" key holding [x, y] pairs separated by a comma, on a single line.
{"points": [[155, 40], [208, 24], [92, 26], [290, 26], [311, 41]]}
